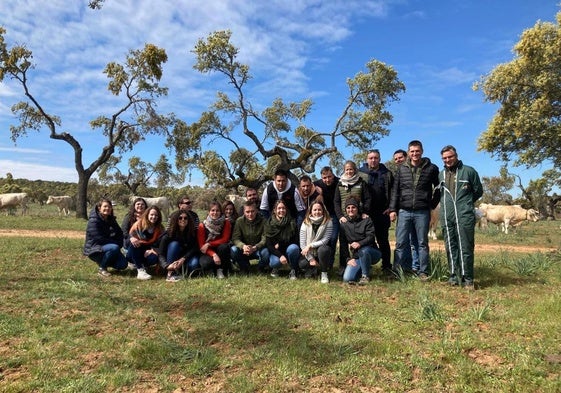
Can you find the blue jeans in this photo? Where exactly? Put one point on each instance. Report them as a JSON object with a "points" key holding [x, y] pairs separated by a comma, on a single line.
{"points": [[111, 256], [334, 237], [367, 256], [243, 261], [136, 255], [412, 222], [414, 251], [175, 251], [292, 254]]}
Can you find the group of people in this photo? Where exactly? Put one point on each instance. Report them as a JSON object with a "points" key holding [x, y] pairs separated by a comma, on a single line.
{"points": [[297, 227]]}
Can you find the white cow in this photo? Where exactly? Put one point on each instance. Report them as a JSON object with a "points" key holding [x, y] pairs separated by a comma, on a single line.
{"points": [[161, 202], [13, 200], [63, 202], [507, 215], [434, 217]]}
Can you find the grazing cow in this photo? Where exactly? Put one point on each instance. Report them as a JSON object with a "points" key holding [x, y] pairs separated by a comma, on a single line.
{"points": [[13, 200], [434, 217], [506, 215], [161, 202], [237, 200], [63, 202]]}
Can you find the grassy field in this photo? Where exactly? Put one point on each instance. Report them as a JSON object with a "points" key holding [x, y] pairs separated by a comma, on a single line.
{"points": [[65, 329]]}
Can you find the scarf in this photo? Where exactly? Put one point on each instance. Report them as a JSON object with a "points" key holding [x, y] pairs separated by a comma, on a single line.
{"points": [[277, 228], [314, 233], [316, 220], [214, 227], [348, 182]]}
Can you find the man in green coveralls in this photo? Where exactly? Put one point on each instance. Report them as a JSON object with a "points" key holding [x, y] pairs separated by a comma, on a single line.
{"points": [[460, 187]]}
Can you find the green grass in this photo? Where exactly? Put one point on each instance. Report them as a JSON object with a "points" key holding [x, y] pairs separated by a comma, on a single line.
{"points": [[65, 329]]}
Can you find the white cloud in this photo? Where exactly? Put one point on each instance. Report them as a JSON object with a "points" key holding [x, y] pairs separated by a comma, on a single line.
{"points": [[24, 170]]}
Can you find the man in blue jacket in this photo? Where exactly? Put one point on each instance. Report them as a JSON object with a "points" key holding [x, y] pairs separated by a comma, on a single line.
{"points": [[460, 188]]}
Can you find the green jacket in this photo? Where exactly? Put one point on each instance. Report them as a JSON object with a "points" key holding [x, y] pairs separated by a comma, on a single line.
{"points": [[250, 233], [458, 194]]}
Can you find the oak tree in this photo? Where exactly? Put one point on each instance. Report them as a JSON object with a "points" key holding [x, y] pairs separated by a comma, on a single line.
{"points": [[251, 143], [527, 124], [136, 84]]}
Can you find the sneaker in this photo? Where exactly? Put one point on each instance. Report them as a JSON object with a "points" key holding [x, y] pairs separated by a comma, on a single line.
{"points": [[142, 275], [292, 275], [174, 278], [130, 266], [220, 274], [452, 282], [423, 277], [363, 280], [103, 272], [274, 273], [324, 278]]}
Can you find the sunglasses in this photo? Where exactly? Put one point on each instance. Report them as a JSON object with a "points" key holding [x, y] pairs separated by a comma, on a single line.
{"points": [[185, 203], [182, 218]]}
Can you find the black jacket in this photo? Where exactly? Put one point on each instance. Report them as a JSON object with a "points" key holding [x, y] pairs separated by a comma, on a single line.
{"points": [[415, 188], [380, 184], [100, 232]]}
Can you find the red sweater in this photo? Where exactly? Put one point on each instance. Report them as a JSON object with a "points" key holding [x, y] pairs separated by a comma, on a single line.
{"points": [[224, 237]]}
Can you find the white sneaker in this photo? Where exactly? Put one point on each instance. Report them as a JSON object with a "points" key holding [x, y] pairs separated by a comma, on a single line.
{"points": [[142, 275], [219, 274], [131, 266], [324, 278]]}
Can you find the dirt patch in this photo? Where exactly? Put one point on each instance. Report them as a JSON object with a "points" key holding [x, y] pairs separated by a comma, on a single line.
{"points": [[435, 246], [42, 234]]}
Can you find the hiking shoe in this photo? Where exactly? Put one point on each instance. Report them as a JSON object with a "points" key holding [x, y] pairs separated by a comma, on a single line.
{"points": [[103, 272], [220, 274], [174, 278], [324, 278], [142, 275], [452, 282], [274, 273], [292, 275], [468, 285], [363, 280]]}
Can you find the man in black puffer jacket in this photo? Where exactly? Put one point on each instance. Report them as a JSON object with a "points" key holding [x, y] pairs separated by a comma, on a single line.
{"points": [[414, 194]]}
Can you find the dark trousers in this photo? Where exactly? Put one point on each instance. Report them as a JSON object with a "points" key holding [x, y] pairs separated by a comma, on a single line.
{"points": [[382, 225], [223, 251]]}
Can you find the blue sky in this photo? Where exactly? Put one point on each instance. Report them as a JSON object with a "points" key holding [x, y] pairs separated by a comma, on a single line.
{"points": [[295, 49]]}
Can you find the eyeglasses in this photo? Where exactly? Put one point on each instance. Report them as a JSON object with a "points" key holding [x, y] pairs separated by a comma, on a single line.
{"points": [[185, 203], [182, 218]]}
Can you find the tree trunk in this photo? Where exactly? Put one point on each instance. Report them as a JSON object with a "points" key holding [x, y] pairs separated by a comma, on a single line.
{"points": [[82, 197]]}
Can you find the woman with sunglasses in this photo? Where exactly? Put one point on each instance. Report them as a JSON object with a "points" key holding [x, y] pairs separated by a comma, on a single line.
{"points": [[179, 251]]}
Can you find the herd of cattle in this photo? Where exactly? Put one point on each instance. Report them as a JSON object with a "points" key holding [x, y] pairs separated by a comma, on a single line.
{"points": [[505, 216], [16, 200]]}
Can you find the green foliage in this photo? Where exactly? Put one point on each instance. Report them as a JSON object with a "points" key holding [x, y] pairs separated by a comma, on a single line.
{"points": [[496, 188], [278, 136], [528, 91]]}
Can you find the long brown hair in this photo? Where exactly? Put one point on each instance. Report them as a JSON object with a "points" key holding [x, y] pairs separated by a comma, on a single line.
{"points": [[174, 230]]}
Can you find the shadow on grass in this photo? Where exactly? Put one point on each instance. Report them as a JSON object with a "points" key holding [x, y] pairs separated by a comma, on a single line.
{"points": [[486, 277]]}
